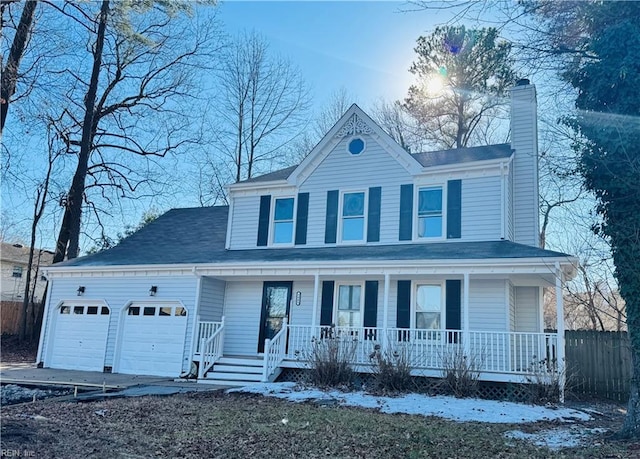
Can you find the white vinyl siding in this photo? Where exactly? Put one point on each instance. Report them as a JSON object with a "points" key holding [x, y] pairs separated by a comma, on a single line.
{"points": [[243, 303], [487, 299], [342, 171], [481, 209], [527, 309], [244, 225], [301, 314], [211, 300], [117, 292], [525, 163]]}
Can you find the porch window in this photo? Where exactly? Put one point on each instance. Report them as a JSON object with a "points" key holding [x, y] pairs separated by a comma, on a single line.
{"points": [[349, 305], [353, 205], [428, 308], [283, 221], [430, 212]]}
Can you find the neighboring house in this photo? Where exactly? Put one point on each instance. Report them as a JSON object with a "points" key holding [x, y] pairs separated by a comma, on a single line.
{"points": [[430, 252], [14, 261]]}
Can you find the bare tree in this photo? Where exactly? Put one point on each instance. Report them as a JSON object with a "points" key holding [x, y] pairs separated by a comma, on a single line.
{"points": [[41, 200], [403, 128], [143, 64], [10, 69], [263, 105]]}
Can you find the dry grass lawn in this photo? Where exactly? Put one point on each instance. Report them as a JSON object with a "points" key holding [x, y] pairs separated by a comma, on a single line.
{"points": [[219, 425]]}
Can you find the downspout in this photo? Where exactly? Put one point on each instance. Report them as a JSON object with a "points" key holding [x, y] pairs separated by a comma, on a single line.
{"points": [[385, 308], [196, 321], [503, 199], [316, 289], [465, 315], [227, 244], [45, 320]]}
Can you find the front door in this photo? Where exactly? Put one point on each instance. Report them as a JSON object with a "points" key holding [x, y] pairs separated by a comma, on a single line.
{"points": [[276, 299]]}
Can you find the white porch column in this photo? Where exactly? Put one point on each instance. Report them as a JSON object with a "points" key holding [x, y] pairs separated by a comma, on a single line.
{"points": [[560, 327], [385, 309], [466, 339], [316, 288]]}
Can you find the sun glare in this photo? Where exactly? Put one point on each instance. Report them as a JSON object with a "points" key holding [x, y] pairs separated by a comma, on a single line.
{"points": [[434, 85]]}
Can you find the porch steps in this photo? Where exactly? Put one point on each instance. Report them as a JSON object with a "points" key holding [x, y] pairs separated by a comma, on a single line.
{"points": [[235, 371]]}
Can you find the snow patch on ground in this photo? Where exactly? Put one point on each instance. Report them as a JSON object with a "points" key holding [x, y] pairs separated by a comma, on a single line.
{"points": [[11, 394], [556, 439], [456, 409]]}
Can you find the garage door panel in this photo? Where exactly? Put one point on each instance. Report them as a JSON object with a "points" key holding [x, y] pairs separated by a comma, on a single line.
{"points": [[152, 344], [79, 339]]}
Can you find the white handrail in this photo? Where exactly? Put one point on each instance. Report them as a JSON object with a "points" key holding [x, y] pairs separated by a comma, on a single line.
{"points": [[205, 330], [274, 352], [211, 350]]}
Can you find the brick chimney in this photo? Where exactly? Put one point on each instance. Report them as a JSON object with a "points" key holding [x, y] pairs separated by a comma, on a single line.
{"points": [[524, 140]]}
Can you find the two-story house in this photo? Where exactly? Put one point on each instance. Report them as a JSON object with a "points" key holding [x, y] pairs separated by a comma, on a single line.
{"points": [[431, 251]]}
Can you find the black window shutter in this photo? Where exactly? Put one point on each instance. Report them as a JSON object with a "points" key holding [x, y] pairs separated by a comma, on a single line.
{"points": [[331, 223], [373, 217], [370, 304], [326, 303], [302, 216], [454, 209], [453, 304], [406, 212], [403, 306], [263, 220]]}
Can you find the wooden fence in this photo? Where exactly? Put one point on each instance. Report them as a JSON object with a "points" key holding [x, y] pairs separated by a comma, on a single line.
{"points": [[10, 317], [598, 363]]}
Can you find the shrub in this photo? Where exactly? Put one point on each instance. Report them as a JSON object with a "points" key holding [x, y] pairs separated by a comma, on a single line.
{"points": [[461, 372], [392, 369], [331, 359], [543, 382]]}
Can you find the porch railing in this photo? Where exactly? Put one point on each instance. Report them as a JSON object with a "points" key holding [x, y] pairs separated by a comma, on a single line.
{"points": [[488, 351], [205, 330], [274, 352], [211, 349]]}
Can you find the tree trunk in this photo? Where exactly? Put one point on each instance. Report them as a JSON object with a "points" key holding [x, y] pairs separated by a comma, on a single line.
{"points": [[76, 192], [10, 71], [631, 426], [27, 288]]}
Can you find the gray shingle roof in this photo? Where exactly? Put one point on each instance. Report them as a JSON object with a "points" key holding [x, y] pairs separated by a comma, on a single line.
{"points": [[18, 253], [463, 155], [197, 235], [281, 174], [426, 159]]}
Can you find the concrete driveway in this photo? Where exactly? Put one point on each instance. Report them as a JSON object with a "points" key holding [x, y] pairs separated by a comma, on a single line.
{"points": [[27, 374]]}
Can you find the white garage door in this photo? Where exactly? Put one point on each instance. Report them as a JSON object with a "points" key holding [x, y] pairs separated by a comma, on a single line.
{"points": [[79, 339], [153, 340]]}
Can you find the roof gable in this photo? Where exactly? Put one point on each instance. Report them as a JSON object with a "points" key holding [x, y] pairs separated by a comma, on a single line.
{"points": [[354, 122]]}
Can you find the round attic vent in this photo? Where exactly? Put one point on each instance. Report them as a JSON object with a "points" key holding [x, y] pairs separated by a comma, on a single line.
{"points": [[356, 146]]}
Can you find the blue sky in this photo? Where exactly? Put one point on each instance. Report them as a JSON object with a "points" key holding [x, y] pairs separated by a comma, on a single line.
{"points": [[365, 47]]}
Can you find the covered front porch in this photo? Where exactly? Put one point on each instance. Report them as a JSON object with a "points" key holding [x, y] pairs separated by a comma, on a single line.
{"points": [[496, 356], [509, 354]]}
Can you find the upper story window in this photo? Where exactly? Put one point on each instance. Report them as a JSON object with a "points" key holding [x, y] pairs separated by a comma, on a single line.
{"points": [[350, 302], [17, 271], [283, 221], [430, 219], [353, 224]]}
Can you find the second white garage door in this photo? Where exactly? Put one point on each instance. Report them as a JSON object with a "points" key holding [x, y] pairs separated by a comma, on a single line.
{"points": [[152, 340]]}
